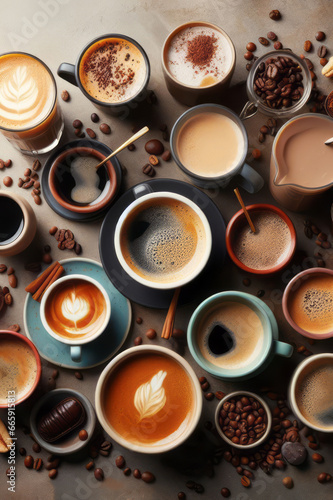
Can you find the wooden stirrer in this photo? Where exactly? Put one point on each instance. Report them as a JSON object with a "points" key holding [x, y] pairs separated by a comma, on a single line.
{"points": [[246, 213]]}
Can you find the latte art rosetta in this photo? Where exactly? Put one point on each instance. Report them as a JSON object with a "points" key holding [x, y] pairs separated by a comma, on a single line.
{"points": [[75, 309], [150, 397]]}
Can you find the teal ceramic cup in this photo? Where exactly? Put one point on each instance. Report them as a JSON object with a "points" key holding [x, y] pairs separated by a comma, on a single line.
{"points": [[265, 349]]}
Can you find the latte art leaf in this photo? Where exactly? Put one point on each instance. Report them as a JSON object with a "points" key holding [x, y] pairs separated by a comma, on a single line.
{"points": [[19, 94], [150, 397], [74, 308]]}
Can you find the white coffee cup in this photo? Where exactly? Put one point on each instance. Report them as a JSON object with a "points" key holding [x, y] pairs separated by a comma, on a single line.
{"points": [[142, 193], [75, 345]]}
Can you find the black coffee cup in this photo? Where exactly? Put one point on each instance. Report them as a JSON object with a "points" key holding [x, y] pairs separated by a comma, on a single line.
{"points": [[71, 73]]}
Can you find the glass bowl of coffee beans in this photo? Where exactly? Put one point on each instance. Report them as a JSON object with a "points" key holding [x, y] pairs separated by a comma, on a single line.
{"points": [[279, 84], [243, 419]]}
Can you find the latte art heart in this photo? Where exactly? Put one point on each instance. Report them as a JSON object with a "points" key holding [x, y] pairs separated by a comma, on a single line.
{"points": [[75, 309]]}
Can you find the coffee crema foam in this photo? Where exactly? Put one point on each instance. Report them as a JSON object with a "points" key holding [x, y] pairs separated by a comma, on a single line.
{"points": [[162, 240], [245, 329], [311, 304], [75, 309], [18, 368], [27, 92], [314, 394], [268, 246], [149, 400], [198, 75]]}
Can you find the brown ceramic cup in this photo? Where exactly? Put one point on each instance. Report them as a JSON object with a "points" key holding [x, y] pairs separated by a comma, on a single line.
{"points": [[239, 220], [61, 181]]}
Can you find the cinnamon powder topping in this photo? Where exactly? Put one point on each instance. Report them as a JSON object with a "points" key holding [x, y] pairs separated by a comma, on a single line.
{"points": [[201, 49]]}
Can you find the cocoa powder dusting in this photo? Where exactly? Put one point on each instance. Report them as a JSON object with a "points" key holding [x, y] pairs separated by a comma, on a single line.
{"points": [[201, 49]]}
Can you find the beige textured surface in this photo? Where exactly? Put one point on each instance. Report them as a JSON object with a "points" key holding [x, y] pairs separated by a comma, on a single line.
{"points": [[55, 31]]}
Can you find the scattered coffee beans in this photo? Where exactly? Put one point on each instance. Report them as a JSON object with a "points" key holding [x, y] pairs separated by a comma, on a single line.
{"points": [[105, 129], [83, 435], [154, 147], [275, 15], [99, 474], [94, 117], [320, 36], [288, 482], [65, 95]]}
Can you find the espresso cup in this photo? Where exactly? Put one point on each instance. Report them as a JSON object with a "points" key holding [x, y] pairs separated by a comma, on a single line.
{"points": [[19, 229], [148, 399], [20, 368], [88, 75], [307, 303], [162, 240], [209, 144], [233, 336], [310, 392], [75, 310], [268, 250], [193, 84]]}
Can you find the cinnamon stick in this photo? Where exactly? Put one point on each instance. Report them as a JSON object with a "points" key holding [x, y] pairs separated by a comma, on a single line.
{"points": [[170, 317], [45, 283], [57, 275], [34, 285]]}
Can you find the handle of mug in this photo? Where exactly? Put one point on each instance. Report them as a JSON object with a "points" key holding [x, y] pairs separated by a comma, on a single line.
{"points": [[76, 353], [283, 349], [67, 72], [141, 190], [249, 110], [250, 180]]}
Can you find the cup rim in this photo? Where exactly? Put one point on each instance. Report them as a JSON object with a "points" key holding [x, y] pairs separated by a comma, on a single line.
{"points": [[38, 361], [257, 207], [281, 113], [292, 387], [21, 202], [137, 351], [285, 297], [193, 24], [84, 50], [215, 371], [265, 406], [110, 171], [208, 239], [73, 341], [13, 53], [174, 135]]}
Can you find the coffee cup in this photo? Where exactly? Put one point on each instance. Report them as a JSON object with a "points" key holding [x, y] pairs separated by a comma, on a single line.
{"points": [[112, 71], [30, 116], [233, 336], [209, 144], [75, 310], [75, 183], [310, 392], [307, 303], [270, 248], [18, 230], [148, 399], [20, 368], [162, 240], [198, 61]]}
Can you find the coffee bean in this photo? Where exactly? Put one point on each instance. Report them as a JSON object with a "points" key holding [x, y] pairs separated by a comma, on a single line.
{"points": [[256, 153], [94, 117], [251, 47], [12, 280], [308, 63], [83, 435], [37, 199], [78, 132], [151, 333], [8, 181], [248, 66], [166, 155], [99, 474], [316, 457], [181, 496], [294, 453], [219, 395], [205, 386], [271, 36], [320, 36], [78, 375], [275, 15], [137, 474], [131, 147], [178, 333], [261, 137], [7, 163], [264, 129], [77, 123], [153, 160], [307, 46], [313, 446], [38, 464], [148, 170], [277, 45], [53, 473], [53, 230], [246, 481], [139, 320], [14, 328], [260, 293], [248, 56], [322, 51], [77, 249], [120, 462], [225, 492], [288, 482], [3, 268], [323, 61], [263, 41], [209, 396], [65, 95], [29, 462], [106, 446], [36, 448], [105, 129], [154, 147], [36, 165], [8, 299], [91, 133], [147, 477], [47, 259], [138, 341], [324, 477], [90, 465], [127, 471], [22, 452]]}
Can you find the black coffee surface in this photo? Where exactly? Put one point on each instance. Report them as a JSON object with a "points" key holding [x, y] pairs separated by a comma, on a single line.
{"points": [[11, 220], [220, 340]]}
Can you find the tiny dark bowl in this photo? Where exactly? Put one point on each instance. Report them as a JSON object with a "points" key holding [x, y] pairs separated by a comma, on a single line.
{"points": [[61, 181], [70, 443]]}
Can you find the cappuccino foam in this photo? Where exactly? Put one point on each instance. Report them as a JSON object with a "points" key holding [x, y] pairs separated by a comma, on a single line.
{"points": [[162, 240]]}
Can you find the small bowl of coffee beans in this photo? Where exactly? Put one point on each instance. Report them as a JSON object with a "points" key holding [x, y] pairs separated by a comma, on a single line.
{"points": [[243, 419]]}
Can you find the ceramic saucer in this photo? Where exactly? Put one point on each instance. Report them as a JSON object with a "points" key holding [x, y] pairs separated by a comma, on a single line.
{"points": [[151, 297], [96, 352]]}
